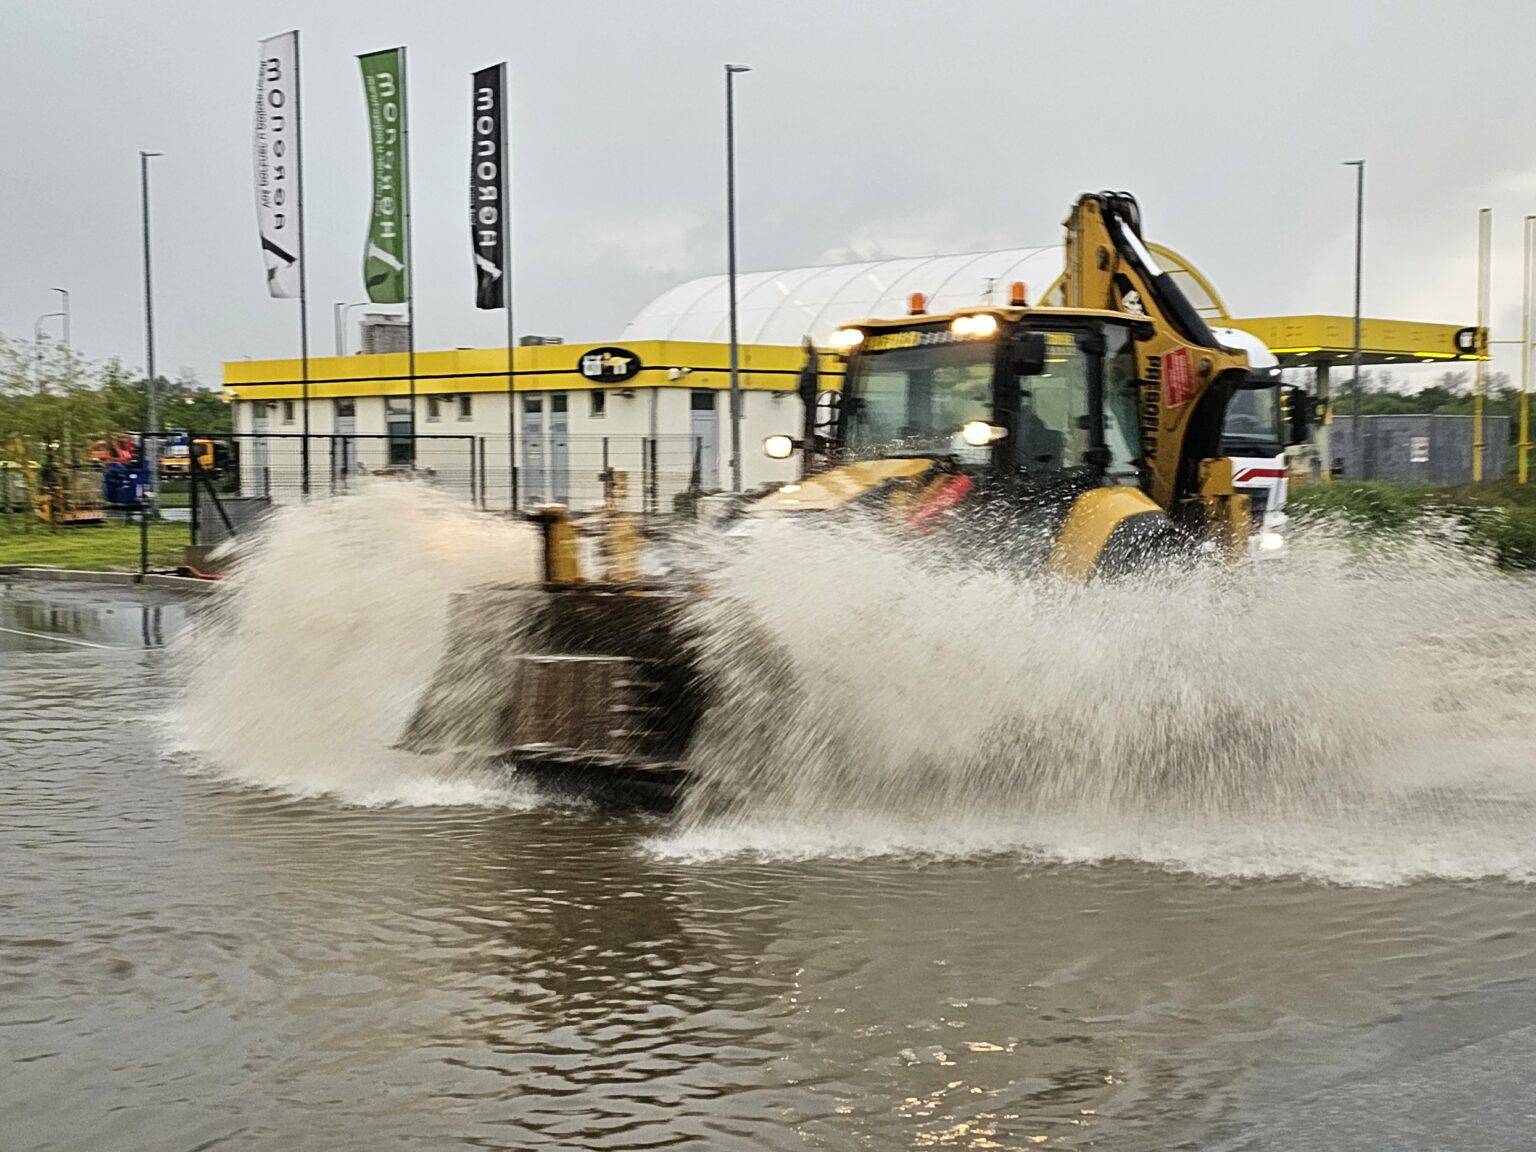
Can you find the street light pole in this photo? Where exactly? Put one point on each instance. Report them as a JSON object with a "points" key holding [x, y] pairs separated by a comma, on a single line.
{"points": [[152, 412], [37, 344], [730, 244], [1525, 350], [64, 294], [341, 312], [1484, 250], [1358, 460]]}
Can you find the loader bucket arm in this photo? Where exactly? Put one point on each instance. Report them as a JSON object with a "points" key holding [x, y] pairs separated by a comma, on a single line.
{"points": [[1186, 373]]}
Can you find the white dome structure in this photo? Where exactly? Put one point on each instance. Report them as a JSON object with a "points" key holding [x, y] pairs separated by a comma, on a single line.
{"points": [[786, 305]]}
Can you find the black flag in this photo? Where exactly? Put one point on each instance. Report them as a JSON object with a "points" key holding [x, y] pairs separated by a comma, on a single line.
{"points": [[487, 187]]}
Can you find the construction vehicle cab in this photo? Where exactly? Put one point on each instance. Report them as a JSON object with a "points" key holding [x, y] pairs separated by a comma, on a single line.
{"points": [[1103, 417]]}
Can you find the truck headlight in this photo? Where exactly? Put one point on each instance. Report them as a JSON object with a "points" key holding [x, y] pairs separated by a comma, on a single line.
{"points": [[844, 339], [778, 447], [1271, 541]]}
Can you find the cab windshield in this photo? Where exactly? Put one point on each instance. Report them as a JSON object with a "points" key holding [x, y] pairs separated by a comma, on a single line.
{"points": [[915, 400], [1252, 425]]}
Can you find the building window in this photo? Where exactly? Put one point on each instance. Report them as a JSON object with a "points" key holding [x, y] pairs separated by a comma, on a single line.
{"points": [[702, 400], [346, 409], [599, 403], [466, 408], [287, 411], [434, 409], [557, 402]]}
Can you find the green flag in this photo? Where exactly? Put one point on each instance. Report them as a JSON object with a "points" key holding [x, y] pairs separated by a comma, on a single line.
{"points": [[384, 261]]}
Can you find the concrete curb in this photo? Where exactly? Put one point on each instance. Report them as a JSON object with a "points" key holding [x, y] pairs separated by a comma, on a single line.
{"points": [[116, 579]]}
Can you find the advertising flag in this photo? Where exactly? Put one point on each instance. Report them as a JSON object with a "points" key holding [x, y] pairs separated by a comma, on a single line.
{"points": [[487, 186], [385, 274], [276, 128]]}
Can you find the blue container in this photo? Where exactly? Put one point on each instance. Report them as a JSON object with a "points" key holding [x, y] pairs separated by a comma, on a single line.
{"points": [[122, 485]]}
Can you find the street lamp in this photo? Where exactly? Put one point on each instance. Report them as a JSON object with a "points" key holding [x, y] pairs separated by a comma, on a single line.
{"points": [[730, 245], [152, 414], [37, 325], [1525, 348], [64, 304], [37, 343], [1357, 459], [340, 313]]}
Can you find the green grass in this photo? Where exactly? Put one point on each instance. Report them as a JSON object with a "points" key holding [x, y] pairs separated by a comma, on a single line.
{"points": [[1500, 515], [24, 539]]}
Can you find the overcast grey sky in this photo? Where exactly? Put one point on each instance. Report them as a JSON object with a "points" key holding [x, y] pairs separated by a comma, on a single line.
{"points": [[865, 129]]}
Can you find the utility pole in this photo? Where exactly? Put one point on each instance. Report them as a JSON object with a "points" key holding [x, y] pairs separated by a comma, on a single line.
{"points": [[152, 410], [1358, 461], [730, 246]]}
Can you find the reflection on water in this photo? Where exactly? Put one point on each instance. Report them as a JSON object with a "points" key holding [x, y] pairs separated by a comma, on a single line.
{"points": [[187, 962], [48, 617]]}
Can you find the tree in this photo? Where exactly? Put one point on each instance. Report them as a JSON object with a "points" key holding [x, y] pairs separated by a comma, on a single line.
{"points": [[51, 395]]}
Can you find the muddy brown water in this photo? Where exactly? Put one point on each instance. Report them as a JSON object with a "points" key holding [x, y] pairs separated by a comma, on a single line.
{"points": [[188, 962]]}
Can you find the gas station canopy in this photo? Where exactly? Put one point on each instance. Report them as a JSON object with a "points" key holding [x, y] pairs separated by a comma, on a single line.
{"points": [[1320, 341]]}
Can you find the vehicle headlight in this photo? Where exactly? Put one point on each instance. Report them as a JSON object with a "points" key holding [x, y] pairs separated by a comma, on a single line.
{"points": [[779, 447], [1271, 541], [978, 433], [844, 339]]}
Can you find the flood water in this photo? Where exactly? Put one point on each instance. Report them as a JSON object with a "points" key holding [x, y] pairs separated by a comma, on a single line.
{"points": [[196, 955]]}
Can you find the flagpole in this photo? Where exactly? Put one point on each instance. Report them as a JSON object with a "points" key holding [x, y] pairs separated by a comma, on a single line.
{"points": [[506, 273], [298, 148], [410, 263]]}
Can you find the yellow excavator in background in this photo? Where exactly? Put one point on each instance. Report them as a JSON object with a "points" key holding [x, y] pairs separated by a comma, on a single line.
{"points": [[1099, 420], [1094, 427]]}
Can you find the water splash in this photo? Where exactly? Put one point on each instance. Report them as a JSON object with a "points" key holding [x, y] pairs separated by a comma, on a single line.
{"points": [[1354, 716], [303, 676]]}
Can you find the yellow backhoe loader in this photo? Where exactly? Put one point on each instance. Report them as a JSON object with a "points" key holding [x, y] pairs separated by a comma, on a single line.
{"points": [[1083, 438]]}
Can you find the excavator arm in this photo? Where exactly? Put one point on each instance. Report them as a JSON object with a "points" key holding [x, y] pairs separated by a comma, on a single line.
{"points": [[1186, 373]]}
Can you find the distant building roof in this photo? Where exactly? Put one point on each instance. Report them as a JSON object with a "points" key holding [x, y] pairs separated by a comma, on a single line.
{"points": [[786, 305]]}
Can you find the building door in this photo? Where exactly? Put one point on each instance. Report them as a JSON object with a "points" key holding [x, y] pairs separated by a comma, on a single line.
{"points": [[559, 449], [343, 445], [261, 461], [397, 423], [704, 437], [531, 478]]}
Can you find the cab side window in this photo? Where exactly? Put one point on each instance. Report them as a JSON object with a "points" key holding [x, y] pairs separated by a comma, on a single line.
{"points": [[1053, 408]]}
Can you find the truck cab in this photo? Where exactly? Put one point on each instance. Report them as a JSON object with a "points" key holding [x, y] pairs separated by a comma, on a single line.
{"points": [[1254, 437]]}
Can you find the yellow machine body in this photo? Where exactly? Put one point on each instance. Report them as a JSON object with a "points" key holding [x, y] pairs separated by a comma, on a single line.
{"points": [[1181, 371]]}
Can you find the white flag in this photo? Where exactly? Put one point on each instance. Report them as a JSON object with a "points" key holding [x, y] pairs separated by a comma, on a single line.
{"points": [[277, 174]]}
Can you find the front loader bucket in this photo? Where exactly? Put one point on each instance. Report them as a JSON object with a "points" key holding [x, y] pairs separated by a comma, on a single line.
{"points": [[591, 688]]}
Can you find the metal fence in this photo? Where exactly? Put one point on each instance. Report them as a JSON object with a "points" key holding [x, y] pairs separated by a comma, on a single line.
{"points": [[553, 467], [1419, 449], [201, 491], [285, 466]]}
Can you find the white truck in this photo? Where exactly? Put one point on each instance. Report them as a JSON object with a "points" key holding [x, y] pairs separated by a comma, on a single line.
{"points": [[1254, 437]]}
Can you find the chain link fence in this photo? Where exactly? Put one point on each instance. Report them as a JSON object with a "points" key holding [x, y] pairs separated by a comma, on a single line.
{"points": [[1428, 449]]}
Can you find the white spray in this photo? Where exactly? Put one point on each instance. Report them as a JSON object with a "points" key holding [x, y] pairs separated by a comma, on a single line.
{"points": [[1359, 717], [310, 666]]}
